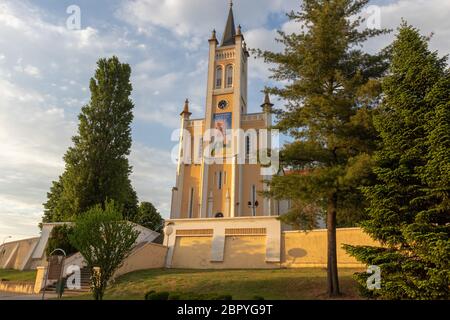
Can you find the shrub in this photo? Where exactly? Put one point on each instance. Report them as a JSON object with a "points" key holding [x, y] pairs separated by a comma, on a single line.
{"points": [[105, 241], [160, 296], [174, 297], [59, 238]]}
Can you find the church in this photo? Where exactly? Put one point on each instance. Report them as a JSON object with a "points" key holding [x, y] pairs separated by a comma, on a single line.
{"points": [[224, 181], [219, 218]]}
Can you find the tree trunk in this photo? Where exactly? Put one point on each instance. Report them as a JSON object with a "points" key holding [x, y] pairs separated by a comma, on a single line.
{"points": [[332, 270]]}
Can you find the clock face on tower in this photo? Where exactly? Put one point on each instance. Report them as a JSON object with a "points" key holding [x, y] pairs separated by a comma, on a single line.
{"points": [[223, 104]]}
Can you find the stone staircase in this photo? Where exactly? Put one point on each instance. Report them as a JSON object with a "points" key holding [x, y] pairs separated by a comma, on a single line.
{"points": [[85, 282]]}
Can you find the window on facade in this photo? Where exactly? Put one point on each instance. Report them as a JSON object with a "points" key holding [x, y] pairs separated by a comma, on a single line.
{"points": [[229, 76], [191, 203], [247, 146], [253, 197], [219, 74], [224, 177], [219, 181]]}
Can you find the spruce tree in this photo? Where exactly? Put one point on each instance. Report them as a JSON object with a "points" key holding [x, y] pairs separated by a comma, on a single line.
{"points": [[331, 89], [409, 204], [97, 167]]}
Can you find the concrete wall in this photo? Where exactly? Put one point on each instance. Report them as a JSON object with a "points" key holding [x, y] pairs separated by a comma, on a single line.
{"points": [[17, 254], [297, 249], [309, 249], [17, 287], [147, 256], [192, 253], [223, 243], [247, 252], [28, 254], [241, 252]]}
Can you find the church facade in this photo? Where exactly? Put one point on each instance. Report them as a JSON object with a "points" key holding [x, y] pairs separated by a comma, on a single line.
{"points": [[224, 181], [218, 218]]}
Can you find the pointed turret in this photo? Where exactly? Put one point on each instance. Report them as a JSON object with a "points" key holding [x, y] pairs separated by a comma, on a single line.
{"points": [[230, 29], [186, 112], [267, 105], [213, 38]]}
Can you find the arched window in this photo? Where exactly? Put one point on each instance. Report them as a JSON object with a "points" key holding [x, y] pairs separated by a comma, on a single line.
{"points": [[229, 76], [219, 74]]}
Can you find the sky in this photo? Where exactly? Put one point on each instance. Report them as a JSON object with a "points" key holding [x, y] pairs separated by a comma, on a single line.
{"points": [[45, 69]]}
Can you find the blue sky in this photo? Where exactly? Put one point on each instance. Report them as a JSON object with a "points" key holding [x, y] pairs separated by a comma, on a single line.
{"points": [[45, 70]]}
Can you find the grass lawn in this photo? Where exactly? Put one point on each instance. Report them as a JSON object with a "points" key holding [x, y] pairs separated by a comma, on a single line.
{"points": [[283, 284], [15, 275]]}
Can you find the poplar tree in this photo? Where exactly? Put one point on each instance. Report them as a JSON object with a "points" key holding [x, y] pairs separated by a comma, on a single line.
{"points": [[330, 92], [409, 205], [97, 167]]}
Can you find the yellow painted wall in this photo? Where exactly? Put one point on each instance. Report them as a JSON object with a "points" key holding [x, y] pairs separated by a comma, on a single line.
{"points": [[241, 252], [309, 249], [150, 256], [245, 252], [298, 250], [192, 253], [220, 195], [252, 176], [192, 174], [17, 287]]}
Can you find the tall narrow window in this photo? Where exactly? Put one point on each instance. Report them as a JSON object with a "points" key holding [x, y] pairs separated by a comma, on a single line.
{"points": [[253, 200], [219, 182], [191, 202], [229, 76], [247, 146], [224, 177], [219, 74]]}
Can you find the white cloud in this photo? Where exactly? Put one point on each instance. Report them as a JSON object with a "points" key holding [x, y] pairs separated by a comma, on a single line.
{"points": [[29, 70], [153, 176], [45, 70], [33, 136], [430, 16], [197, 17], [42, 90]]}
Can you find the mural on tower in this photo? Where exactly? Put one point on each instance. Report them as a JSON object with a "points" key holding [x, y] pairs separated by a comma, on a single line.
{"points": [[222, 123]]}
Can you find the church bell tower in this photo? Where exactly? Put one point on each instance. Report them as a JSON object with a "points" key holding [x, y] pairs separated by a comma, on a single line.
{"points": [[230, 187], [226, 102]]}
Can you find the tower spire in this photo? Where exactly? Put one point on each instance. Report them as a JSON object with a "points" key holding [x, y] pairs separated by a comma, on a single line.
{"points": [[186, 112], [267, 105], [230, 29]]}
